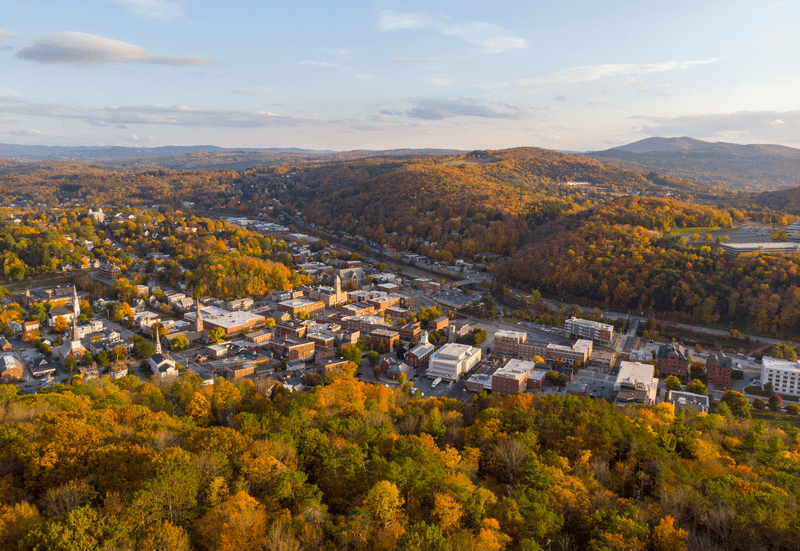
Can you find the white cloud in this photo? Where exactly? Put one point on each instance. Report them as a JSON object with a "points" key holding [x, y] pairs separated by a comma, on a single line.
{"points": [[318, 63], [168, 115], [743, 126], [246, 92], [29, 133], [84, 49], [438, 81], [5, 36], [439, 109], [338, 51], [493, 38], [587, 73], [154, 9], [418, 60], [494, 85]]}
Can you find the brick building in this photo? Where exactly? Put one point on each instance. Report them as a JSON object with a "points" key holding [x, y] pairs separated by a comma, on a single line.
{"points": [[719, 367], [672, 359]]}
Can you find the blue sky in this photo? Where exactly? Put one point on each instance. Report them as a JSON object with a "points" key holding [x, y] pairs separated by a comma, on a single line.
{"points": [[572, 76]]}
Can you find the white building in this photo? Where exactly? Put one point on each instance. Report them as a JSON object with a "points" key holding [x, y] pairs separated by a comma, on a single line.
{"points": [[587, 329], [783, 374], [452, 360], [636, 378]]}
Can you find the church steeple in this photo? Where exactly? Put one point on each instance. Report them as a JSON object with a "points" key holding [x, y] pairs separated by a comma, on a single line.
{"points": [[156, 334], [76, 312], [198, 322]]}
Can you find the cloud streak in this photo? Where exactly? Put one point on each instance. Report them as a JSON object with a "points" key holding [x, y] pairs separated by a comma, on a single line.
{"points": [[418, 60], [440, 109], [164, 115], [4, 36], [588, 73], [492, 38], [246, 92], [781, 127], [89, 50], [153, 9]]}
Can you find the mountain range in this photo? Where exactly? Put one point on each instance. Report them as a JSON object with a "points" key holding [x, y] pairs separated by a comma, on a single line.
{"points": [[753, 167]]}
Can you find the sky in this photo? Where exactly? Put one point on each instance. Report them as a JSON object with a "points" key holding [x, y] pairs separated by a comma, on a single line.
{"points": [[571, 76]]}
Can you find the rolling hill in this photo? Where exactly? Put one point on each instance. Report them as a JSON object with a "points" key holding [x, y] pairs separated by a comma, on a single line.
{"points": [[753, 167]]}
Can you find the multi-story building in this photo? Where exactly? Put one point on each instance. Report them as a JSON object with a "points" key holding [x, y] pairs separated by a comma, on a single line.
{"points": [[512, 377], [290, 348], [10, 368], [233, 323], [672, 359], [410, 331], [635, 384], [570, 355], [363, 324], [783, 374], [514, 344], [296, 306], [719, 367], [110, 271], [452, 360], [439, 323], [420, 354], [383, 338], [330, 296], [591, 330]]}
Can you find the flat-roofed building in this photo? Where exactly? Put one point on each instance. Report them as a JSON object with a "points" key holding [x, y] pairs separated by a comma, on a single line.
{"points": [[110, 271], [10, 368], [767, 247], [232, 323], [410, 331], [358, 310], [439, 323], [330, 364], [296, 306], [783, 374], [635, 383], [383, 338], [234, 372], [260, 337], [452, 360], [479, 382], [290, 348], [58, 295], [514, 344], [364, 324], [578, 352], [512, 377], [687, 400], [591, 330]]}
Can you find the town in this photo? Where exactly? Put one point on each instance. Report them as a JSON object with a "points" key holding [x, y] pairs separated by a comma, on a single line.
{"points": [[354, 318]]}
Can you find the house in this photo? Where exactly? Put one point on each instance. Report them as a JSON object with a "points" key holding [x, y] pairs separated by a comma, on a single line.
{"points": [[5, 346]]}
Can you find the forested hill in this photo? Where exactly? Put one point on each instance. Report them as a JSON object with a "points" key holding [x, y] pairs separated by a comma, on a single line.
{"points": [[752, 167], [621, 255], [785, 199], [483, 201], [178, 465]]}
